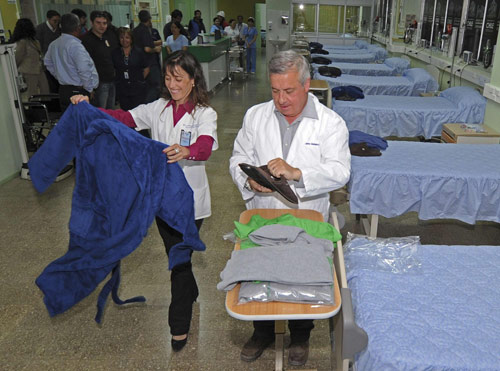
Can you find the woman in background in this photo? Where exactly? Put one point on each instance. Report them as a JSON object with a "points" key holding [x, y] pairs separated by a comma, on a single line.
{"points": [[29, 57], [176, 41], [182, 119], [232, 32], [250, 34], [131, 69]]}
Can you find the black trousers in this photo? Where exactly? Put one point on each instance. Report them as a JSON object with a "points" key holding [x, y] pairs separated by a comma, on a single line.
{"points": [[183, 285], [300, 330], [66, 92]]}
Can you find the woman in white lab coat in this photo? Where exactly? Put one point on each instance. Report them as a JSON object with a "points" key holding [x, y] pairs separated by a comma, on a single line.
{"points": [[182, 119]]}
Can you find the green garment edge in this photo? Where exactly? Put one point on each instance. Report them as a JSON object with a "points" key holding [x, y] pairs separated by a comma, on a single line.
{"points": [[311, 227]]}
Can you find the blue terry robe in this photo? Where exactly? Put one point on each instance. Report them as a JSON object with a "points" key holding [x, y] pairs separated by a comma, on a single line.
{"points": [[122, 182]]}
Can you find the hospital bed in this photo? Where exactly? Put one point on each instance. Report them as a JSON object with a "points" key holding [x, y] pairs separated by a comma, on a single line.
{"points": [[380, 53], [436, 180], [391, 67], [412, 116], [413, 82], [347, 57], [443, 316]]}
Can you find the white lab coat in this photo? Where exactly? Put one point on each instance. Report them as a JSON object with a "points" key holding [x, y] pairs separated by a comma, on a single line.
{"points": [[159, 119], [320, 149]]}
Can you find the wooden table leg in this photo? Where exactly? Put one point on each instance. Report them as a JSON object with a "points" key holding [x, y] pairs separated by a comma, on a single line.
{"points": [[279, 331]]}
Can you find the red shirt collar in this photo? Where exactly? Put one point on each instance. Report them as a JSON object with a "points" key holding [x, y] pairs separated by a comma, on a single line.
{"points": [[186, 107]]}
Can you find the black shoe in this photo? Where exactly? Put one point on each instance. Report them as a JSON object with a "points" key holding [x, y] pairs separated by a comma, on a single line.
{"points": [[298, 353], [177, 345], [253, 348]]}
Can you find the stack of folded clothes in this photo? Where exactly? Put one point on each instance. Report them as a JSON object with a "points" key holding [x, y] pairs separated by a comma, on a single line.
{"points": [[304, 273], [347, 93], [363, 144], [329, 71]]}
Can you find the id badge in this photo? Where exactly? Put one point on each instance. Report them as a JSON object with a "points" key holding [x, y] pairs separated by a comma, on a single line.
{"points": [[185, 138], [125, 75]]}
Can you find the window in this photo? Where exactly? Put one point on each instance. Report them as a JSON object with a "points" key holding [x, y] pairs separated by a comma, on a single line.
{"points": [[331, 18], [304, 17]]}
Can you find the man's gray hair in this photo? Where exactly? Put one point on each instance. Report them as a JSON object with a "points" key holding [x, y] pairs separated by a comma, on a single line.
{"points": [[69, 23], [286, 60]]}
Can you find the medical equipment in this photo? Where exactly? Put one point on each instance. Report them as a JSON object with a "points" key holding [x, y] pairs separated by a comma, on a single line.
{"points": [[467, 56], [383, 115]]}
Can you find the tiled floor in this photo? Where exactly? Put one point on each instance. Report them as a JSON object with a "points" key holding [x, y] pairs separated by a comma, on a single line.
{"points": [[34, 232]]}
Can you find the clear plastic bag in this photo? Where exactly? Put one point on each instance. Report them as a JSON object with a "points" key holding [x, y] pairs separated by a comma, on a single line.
{"points": [[395, 254], [272, 291]]}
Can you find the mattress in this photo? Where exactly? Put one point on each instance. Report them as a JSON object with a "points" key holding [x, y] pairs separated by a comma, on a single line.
{"points": [[366, 57], [412, 116], [445, 317], [391, 67], [436, 180], [413, 82]]}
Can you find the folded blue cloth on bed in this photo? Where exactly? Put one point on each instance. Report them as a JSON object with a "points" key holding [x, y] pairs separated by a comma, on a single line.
{"points": [[356, 136], [348, 92]]}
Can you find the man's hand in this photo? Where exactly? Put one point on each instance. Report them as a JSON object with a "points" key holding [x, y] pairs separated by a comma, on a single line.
{"points": [[279, 167], [257, 187], [75, 99]]}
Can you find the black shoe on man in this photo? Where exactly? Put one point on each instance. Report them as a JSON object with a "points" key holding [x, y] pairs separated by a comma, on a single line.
{"points": [[254, 347], [298, 353]]}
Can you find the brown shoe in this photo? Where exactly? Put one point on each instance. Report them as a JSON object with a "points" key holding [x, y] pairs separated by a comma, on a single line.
{"points": [[253, 348], [298, 353]]}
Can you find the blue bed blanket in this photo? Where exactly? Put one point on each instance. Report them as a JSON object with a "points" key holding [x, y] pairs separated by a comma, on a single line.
{"points": [[380, 53], [445, 317], [436, 180], [346, 57], [413, 82], [412, 116], [391, 67]]}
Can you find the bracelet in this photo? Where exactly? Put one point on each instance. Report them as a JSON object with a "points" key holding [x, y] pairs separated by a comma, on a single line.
{"points": [[247, 186]]}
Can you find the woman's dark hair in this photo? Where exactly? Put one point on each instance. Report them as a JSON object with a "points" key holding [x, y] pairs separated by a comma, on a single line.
{"points": [[186, 61], [126, 30], [177, 24], [24, 30], [80, 13]]}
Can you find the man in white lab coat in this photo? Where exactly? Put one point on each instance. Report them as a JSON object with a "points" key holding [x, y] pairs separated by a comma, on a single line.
{"points": [[302, 140]]}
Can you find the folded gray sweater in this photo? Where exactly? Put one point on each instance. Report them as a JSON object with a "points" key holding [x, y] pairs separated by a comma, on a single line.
{"points": [[295, 263]]}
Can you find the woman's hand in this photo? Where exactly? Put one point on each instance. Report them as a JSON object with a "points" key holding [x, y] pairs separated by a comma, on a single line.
{"points": [[75, 99], [176, 152]]}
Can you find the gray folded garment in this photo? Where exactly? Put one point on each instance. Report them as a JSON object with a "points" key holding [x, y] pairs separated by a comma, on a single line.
{"points": [[272, 291], [277, 234], [295, 263]]}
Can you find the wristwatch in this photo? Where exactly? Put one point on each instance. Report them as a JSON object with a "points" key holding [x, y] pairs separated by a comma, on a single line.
{"points": [[247, 186]]}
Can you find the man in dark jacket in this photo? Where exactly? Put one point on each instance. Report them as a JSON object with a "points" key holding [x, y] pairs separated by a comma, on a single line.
{"points": [[100, 45], [196, 25], [143, 39], [47, 32]]}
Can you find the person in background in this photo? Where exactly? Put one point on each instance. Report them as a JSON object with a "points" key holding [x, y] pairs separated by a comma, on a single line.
{"points": [[216, 26], [176, 17], [196, 25], [183, 120], [100, 44], [222, 18], [70, 63], [176, 41], [29, 57], [143, 39], [305, 142], [83, 20], [232, 32], [131, 69], [240, 26], [112, 30], [47, 32], [250, 35]]}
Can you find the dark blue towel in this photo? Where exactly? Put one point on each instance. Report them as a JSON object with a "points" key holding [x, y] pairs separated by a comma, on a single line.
{"points": [[122, 182], [351, 92], [356, 136]]}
